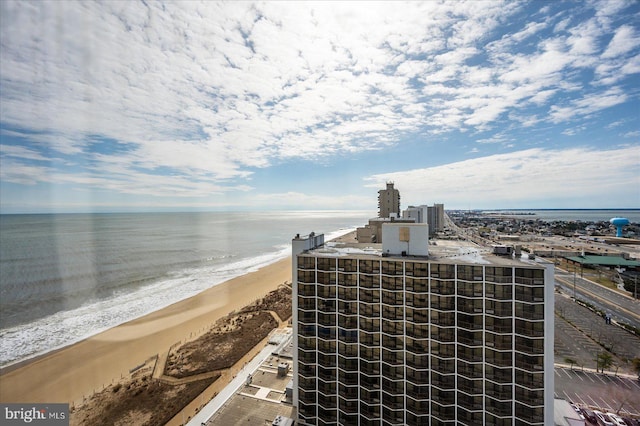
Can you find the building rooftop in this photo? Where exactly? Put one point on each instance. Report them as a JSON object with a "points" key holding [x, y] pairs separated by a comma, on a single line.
{"points": [[604, 260], [441, 251]]}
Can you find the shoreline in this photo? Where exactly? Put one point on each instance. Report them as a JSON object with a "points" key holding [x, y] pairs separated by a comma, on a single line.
{"points": [[74, 372]]}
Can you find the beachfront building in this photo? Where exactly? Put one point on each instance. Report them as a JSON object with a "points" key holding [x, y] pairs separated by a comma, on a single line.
{"points": [[410, 334], [432, 215], [389, 201]]}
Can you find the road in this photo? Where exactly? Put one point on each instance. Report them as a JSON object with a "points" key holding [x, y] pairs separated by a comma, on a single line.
{"points": [[622, 308]]}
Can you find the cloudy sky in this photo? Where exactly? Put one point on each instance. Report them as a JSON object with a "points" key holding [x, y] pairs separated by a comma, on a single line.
{"points": [[119, 106]]}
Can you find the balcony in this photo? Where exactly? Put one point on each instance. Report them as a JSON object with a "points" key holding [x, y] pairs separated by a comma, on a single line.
{"points": [[307, 370], [393, 357], [418, 377], [530, 296], [327, 374], [348, 378], [307, 357], [500, 393], [471, 388], [499, 375], [418, 332], [417, 285], [443, 382], [307, 317], [327, 319], [307, 303], [370, 370], [307, 409], [419, 362], [393, 402], [347, 419], [307, 383], [473, 340], [529, 348], [393, 387], [349, 407], [472, 371], [530, 380], [348, 393], [396, 373]]}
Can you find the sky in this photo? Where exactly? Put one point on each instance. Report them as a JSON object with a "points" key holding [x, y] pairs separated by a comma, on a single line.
{"points": [[181, 106]]}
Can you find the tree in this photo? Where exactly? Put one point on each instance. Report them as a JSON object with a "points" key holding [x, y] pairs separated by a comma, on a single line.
{"points": [[636, 366], [604, 360], [570, 361]]}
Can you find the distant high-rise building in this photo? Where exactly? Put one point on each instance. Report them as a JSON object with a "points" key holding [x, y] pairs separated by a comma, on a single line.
{"points": [[406, 336], [432, 215], [436, 217], [388, 201]]}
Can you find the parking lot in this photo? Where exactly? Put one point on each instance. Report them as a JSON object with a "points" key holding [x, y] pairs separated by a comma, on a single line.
{"points": [[580, 334], [603, 391]]}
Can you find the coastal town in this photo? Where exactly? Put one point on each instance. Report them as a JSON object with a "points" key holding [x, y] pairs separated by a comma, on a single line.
{"points": [[320, 213], [596, 335], [204, 378]]}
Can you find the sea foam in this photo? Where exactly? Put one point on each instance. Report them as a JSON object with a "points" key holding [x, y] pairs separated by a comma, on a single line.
{"points": [[66, 327]]}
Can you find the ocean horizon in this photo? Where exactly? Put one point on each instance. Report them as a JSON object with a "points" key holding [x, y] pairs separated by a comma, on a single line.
{"points": [[66, 277]]}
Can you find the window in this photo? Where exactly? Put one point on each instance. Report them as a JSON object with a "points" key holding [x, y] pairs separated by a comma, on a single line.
{"points": [[306, 262], [368, 281], [307, 276], [369, 266], [392, 283], [443, 271], [392, 268], [326, 264], [346, 279], [326, 277], [498, 275], [470, 273], [417, 269], [348, 265], [529, 276]]}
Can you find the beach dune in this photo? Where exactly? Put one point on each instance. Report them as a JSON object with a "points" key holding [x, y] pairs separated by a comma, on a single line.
{"points": [[71, 373]]}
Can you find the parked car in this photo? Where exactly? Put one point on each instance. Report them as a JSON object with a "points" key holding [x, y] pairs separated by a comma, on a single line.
{"points": [[589, 415], [617, 420], [603, 419], [631, 422], [577, 409]]}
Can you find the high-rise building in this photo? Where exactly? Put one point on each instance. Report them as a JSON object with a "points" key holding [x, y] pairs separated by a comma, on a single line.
{"points": [[433, 215], [435, 219], [410, 336], [389, 201]]}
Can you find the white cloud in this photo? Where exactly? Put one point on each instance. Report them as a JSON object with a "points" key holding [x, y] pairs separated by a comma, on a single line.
{"points": [[588, 105], [311, 201], [534, 176], [209, 92]]}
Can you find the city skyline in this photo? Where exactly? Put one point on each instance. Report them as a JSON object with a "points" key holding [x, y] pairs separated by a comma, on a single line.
{"points": [[290, 105]]}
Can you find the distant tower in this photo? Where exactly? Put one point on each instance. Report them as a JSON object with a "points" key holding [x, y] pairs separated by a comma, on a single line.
{"points": [[619, 222], [436, 218], [388, 201]]}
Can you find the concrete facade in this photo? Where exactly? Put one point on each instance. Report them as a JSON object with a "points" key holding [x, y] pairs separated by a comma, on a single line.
{"points": [[388, 201], [391, 340], [405, 239]]}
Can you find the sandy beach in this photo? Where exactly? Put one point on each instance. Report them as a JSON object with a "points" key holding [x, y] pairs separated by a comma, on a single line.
{"points": [[69, 374]]}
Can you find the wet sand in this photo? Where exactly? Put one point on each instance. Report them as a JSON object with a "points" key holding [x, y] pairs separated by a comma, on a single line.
{"points": [[69, 374]]}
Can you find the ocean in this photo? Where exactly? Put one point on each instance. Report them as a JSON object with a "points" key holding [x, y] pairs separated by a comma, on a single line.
{"points": [[65, 277]]}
